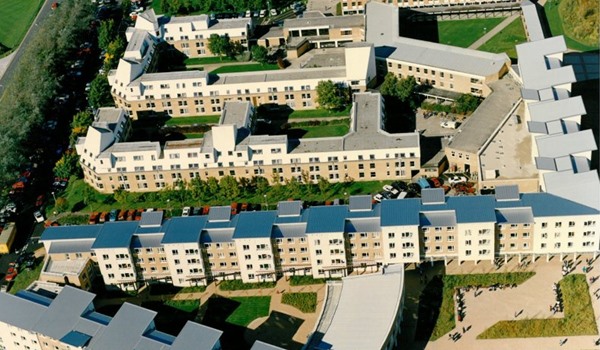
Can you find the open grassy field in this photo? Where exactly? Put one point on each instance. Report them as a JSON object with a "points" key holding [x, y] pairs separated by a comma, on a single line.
{"points": [[557, 27], [204, 119], [208, 60], [578, 320], [463, 33], [16, 16], [446, 320], [507, 39], [250, 67], [249, 309], [307, 132]]}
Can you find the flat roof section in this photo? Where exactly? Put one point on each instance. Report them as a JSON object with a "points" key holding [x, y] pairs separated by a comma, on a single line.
{"points": [[547, 111], [532, 21], [561, 145], [315, 20], [234, 112]]}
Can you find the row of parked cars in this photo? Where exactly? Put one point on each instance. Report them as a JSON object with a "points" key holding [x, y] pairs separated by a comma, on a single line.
{"points": [[401, 189], [26, 260]]}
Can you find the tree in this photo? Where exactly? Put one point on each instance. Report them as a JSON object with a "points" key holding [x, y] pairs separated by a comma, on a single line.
{"points": [[99, 95], [261, 184], [229, 187], [331, 95], [260, 54], [114, 51], [466, 103], [389, 87], [213, 186], [406, 89], [67, 165], [61, 204], [324, 185], [219, 45], [106, 34]]}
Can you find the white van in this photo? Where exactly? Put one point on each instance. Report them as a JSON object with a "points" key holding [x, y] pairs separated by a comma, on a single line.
{"points": [[449, 125]]}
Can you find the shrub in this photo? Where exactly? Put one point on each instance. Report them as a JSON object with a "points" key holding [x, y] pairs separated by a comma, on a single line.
{"points": [[305, 302]]}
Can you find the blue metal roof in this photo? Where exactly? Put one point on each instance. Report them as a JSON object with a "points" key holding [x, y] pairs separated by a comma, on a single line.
{"points": [[76, 339], [70, 232], [473, 208], [255, 224], [545, 204], [400, 212], [115, 235], [184, 230], [327, 219]]}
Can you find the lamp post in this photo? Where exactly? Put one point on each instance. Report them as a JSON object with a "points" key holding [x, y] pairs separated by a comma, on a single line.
{"points": [[169, 207], [266, 202]]}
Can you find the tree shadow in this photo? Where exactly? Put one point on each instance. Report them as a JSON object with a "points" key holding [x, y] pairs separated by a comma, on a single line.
{"points": [[217, 310], [430, 302]]}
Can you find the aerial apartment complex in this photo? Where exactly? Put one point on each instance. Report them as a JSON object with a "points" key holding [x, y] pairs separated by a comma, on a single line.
{"points": [[42, 320], [328, 241], [367, 152]]}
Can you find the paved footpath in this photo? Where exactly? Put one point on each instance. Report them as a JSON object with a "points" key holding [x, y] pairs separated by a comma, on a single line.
{"points": [[532, 297], [493, 32]]}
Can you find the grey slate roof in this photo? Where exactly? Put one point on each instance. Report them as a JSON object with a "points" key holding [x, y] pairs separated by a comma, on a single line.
{"points": [[507, 192], [124, 330], [561, 145], [438, 218], [432, 196], [546, 111], [222, 213], [532, 21], [196, 336], [289, 208], [255, 224], [363, 225], [71, 246], [151, 219], [324, 21], [259, 345], [514, 215], [585, 192], [363, 202]]}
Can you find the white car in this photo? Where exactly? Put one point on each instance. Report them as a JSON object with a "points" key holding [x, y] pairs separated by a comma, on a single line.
{"points": [[263, 13], [378, 197], [456, 180], [186, 211], [38, 216], [273, 12], [390, 189]]}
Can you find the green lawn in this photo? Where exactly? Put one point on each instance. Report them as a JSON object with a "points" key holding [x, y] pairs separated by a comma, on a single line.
{"points": [[305, 280], [250, 67], [17, 16], [194, 135], [463, 33], [184, 305], [307, 132], [204, 119], [556, 27], [578, 320], [506, 39], [250, 308], [239, 285], [208, 60], [319, 113], [26, 277], [446, 319], [305, 302]]}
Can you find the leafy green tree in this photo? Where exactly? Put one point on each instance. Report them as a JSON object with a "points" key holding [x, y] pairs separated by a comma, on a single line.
{"points": [[466, 103], [213, 186], [67, 165], [198, 188], [114, 51], [121, 196], [229, 187], [260, 54], [261, 184], [81, 121], [407, 88], [331, 95], [61, 204], [99, 95], [324, 185], [219, 45], [389, 87], [106, 33]]}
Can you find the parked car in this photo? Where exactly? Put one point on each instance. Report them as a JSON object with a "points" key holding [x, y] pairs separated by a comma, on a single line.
{"points": [[378, 197], [94, 218], [263, 13], [389, 188], [38, 216], [131, 214], [435, 182], [456, 179], [103, 217], [122, 215], [112, 216], [205, 210], [138, 214], [234, 208], [244, 207], [449, 125], [39, 201], [11, 273], [273, 12], [186, 211]]}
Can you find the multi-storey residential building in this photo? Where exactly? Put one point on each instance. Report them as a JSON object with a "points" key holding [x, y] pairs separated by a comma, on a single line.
{"points": [[367, 152], [39, 320], [331, 241], [435, 3], [190, 34], [441, 66]]}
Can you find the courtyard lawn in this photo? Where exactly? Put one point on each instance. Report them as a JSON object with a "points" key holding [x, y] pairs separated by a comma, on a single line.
{"points": [[17, 16], [506, 39], [26, 277], [184, 305], [305, 302], [319, 113], [204, 119], [463, 33], [578, 320], [249, 309], [307, 132], [446, 319], [208, 60], [230, 285], [250, 67], [556, 27], [193, 135]]}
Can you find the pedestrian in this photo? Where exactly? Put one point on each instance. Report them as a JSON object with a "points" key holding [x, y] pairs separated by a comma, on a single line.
{"points": [[464, 330]]}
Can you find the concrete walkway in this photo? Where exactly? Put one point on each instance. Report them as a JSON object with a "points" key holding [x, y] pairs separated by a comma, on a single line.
{"points": [[529, 300], [493, 32]]}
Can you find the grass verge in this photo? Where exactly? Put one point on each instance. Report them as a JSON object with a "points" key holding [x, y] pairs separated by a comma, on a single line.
{"points": [[194, 135], [26, 277], [305, 280], [250, 308], [239, 285], [463, 33], [446, 321], [506, 39], [204, 119], [305, 302], [184, 305], [250, 67], [551, 8], [307, 132], [17, 16], [319, 113], [578, 320], [208, 60]]}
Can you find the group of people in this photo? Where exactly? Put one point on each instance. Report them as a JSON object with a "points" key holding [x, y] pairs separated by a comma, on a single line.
{"points": [[460, 304], [566, 268], [558, 305]]}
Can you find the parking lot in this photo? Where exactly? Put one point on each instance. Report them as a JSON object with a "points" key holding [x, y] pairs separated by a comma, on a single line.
{"points": [[430, 126]]}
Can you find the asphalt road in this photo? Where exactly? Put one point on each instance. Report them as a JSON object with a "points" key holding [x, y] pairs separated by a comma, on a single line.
{"points": [[35, 25]]}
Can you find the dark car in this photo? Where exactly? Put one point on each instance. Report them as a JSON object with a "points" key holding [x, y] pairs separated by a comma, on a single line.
{"points": [[104, 217], [112, 216], [39, 201], [94, 218], [122, 215], [400, 186]]}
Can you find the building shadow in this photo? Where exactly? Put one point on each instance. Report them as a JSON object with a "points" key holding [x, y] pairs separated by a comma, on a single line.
{"points": [[589, 90], [278, 330], [418, 25]]}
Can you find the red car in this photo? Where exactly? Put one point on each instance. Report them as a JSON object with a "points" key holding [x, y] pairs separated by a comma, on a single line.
{"points": [[11, 273], [40, 200]]}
